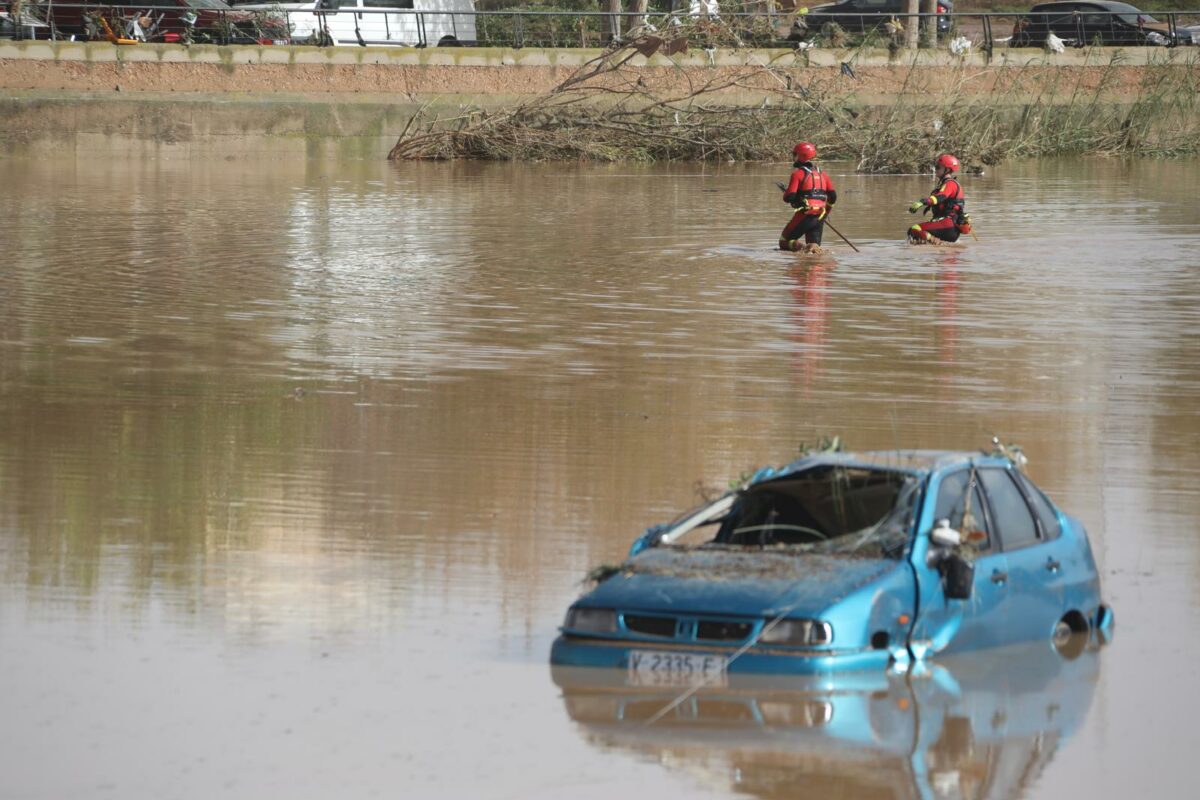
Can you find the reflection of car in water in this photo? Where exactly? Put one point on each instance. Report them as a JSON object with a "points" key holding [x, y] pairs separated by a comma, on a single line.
{"points": [[843, 561], [973, 726]]}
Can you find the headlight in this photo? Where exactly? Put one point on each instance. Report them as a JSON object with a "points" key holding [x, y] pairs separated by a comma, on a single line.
{"points": [[591, 620], [798, 632]]}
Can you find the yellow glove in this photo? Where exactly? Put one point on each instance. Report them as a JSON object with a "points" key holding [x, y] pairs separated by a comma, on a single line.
{"points": [[916, 206]]}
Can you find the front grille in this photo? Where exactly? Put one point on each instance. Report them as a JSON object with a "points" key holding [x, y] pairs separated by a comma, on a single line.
{"points": [[651, 626], [688, 628], [719, 631]]}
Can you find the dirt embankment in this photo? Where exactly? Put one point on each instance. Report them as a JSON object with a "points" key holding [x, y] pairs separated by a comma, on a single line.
{"points": [[862, 82]]}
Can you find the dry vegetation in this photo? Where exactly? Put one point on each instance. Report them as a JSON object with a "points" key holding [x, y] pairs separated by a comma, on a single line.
{"points": [[607, 111]]}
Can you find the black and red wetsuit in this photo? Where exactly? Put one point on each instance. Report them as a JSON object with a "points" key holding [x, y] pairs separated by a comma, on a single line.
{"points": [[949, 218], [810, 191]]}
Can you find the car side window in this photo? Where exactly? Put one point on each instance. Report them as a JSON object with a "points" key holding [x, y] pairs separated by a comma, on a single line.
{"points": [[1043, 509], [961, 502], [1063, 18], [1014, 520]]}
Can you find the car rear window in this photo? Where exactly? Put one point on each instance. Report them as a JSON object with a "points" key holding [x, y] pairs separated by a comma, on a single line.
{"points": [[1043, 509]]}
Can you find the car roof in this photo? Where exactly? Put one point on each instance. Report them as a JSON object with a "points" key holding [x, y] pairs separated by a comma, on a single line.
{"points": [[916, 462]]}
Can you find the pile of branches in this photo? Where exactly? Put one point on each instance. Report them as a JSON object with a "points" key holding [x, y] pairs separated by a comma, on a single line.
{"points": [[605, 111]]}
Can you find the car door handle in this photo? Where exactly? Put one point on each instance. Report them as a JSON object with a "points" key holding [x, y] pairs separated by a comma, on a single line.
{"points": [[999, 578], [1052, 565]]}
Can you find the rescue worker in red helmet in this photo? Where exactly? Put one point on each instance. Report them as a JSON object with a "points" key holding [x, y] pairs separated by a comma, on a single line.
{"points": [[948, 204], [810, 191]]}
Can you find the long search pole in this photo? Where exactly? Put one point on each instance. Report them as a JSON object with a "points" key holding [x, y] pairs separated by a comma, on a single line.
{"points": [[783, 188], [839, 233]]}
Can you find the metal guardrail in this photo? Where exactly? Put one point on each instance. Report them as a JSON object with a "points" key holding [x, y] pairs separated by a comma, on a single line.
{"points": [[131, 23]]}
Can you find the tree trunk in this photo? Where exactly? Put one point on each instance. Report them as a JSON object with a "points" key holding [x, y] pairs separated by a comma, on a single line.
{"points": [[912, 24], [614, 22], [929, 23], [639, 8]]}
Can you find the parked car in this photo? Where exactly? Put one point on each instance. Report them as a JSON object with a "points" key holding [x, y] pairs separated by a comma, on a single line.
{"points": [[161, 20], [843, 561], [1092, 22], [406, 23], [860, 16]]}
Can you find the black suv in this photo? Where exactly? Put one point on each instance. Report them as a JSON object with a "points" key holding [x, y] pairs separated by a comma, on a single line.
{"points": [[860, 16], [1092, 22]]}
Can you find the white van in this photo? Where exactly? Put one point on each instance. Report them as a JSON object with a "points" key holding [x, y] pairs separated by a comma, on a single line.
{"points": [[407, 23]]}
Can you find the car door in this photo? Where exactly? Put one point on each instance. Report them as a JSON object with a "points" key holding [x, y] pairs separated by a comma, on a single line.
{"points": [[1076, 584], [1063, 21], [402, 27], [871, 14], [960, 625], [1035, 562], [371, 27], [1095, 25], [336, 19], [373, 23], [844, 14]]}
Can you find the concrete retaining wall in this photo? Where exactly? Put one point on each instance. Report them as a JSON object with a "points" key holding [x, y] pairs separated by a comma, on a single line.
{"points": [[249, 55]]}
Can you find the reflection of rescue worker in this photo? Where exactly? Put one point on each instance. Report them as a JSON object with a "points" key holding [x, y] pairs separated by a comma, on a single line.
{"points": [[811, 193], [947, 203]]}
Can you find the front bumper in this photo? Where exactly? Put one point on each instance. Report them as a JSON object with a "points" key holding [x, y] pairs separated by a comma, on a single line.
{"points": [[575, 651]]}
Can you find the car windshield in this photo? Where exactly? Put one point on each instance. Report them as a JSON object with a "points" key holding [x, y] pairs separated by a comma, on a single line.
{"points": [[828, 509]]}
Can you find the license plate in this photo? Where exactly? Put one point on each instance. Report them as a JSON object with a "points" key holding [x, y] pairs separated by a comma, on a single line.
{"points": [[657, 668]]}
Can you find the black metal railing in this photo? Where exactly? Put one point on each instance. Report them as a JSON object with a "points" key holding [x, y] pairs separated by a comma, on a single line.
{"points": [[332, 25]]}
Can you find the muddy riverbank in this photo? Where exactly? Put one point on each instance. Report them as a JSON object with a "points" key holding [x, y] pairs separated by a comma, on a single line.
{"points": [[241, 101]]}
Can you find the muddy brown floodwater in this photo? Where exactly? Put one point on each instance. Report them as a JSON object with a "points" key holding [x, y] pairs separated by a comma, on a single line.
{"points": [[301, 463]]}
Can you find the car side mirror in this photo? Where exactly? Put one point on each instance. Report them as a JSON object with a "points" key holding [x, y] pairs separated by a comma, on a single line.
{"points": [[944, 536], [958, 574]]}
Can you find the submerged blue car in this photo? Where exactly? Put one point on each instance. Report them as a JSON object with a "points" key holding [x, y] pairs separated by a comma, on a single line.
{"points": [[843, 561]]}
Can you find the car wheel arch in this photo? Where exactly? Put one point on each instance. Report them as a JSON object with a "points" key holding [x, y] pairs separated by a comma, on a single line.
{"points": [[1071, 634]]}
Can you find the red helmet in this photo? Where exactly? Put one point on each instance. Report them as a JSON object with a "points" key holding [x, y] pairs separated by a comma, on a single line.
{"points": [[805, 151], [948, 161]]}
